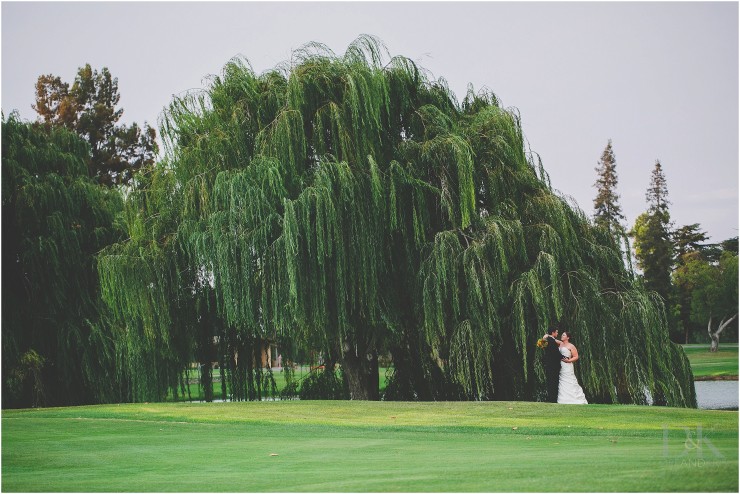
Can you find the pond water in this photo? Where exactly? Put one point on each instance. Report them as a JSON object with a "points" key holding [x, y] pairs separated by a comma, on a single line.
{"points": [[716, 394]]}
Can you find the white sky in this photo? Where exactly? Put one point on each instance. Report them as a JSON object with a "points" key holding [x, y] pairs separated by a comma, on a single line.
{"points": [[659, 79]]}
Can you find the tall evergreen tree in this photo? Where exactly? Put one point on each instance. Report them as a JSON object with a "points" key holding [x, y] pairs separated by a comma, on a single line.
{"points": [[657, 192], [652, 235], [688, 238], [608, 212], [89, 108], [350, 205]]}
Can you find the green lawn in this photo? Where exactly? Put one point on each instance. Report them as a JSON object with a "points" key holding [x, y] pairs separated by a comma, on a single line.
{"points": [[369, 446], [301, 372], [708, 365]]}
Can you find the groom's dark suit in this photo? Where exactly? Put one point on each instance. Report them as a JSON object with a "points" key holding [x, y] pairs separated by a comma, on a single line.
{"points": [[552, 369]]}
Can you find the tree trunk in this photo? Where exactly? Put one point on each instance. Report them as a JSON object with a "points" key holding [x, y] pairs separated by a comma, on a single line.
{"points": [[187, 380], [715, 342], [715, 335], [409, 379], [685, 315], [221, 367], [686, 335], [361, 371], [206, 381], [623, 394]]}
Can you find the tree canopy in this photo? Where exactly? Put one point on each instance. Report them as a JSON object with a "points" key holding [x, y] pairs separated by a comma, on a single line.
{"points": [[608, 212], [89, 108], [711, 291], [688, 241], [59, 347], [652, 236], [349, 204]]}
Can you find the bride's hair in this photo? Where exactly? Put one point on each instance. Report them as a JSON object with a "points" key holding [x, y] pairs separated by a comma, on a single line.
{"points": [[570, 335]]}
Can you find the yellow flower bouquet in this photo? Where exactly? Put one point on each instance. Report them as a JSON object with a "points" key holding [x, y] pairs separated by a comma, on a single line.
{"points": [[542, 343]]}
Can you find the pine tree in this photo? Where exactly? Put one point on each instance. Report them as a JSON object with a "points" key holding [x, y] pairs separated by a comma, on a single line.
{"points": [[608, 212], [89, 109], [657, 193], [688, 238], [652, 235]]}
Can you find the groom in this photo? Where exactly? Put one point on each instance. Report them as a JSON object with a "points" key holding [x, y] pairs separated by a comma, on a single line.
{"points": [[552, 364]]}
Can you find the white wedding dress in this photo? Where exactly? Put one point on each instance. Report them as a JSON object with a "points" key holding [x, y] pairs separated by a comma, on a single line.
{"points": [[569, 391]]}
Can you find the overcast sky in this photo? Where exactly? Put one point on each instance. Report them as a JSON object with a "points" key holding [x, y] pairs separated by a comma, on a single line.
{"points": [[659, 79]]}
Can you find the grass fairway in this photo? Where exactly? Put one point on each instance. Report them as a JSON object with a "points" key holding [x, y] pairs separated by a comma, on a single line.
{"points": [[707, 365], [301, 372], [376, 446]]}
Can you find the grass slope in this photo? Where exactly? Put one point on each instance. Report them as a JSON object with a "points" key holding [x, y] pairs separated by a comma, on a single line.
{"points": [[707, 365], [369, 446]]}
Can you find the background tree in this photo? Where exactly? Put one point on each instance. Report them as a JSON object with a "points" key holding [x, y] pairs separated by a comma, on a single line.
{"points": [[162, 335], [608, 212], [688, 238], [652, 240], [350, 205], [688, 241], [714, 292], [713, 252], [730, 245], [89, 109], [59, 347]]}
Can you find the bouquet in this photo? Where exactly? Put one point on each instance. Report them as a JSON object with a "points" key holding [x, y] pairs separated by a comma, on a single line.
{"points": [[542, 343]]}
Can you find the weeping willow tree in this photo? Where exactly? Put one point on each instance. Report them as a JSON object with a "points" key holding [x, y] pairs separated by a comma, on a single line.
{"points": [[59, 344], [350, 205]]}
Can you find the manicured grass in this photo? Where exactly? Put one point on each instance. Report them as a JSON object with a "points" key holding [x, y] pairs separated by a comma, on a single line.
{"points": [[708, 365], [368, 446], [197, 393]]}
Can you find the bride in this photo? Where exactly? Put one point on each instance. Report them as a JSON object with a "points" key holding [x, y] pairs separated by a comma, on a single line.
{"points": [[569, 391]]}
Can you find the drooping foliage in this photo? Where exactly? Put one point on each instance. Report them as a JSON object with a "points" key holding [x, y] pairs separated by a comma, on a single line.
{"points": [[351, 206], [59, 344]]}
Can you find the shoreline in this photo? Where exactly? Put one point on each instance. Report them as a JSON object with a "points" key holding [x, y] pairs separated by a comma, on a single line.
{"points": [[716, 378]]}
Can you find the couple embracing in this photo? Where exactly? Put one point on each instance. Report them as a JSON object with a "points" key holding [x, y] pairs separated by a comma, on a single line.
{"points": [[562, 385]]}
